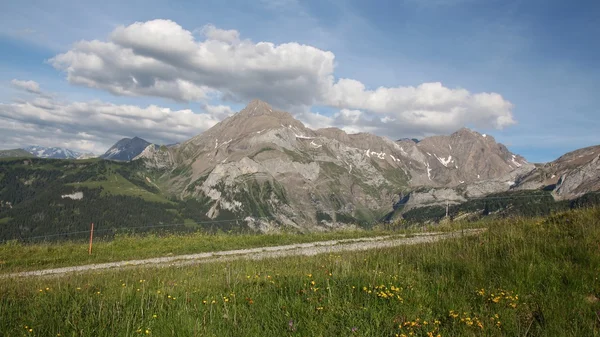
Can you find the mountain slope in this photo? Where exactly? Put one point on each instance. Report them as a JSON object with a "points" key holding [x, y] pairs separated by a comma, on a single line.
{"points": [[569, 176], [126, 149], [52, 152], [14, 153], [263, 170], [263, 162]]}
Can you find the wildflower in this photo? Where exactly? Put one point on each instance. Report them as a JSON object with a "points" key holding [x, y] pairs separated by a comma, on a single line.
{"points": [[354, 329], [154, 316]]}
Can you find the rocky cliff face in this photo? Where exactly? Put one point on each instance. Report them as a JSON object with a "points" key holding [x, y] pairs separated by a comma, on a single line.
{"points": [[571, 175], [467, 157], [261, 161]]}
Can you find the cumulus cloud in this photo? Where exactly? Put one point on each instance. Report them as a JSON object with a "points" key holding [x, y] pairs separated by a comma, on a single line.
{"points": [[161, 58], [94, 126], [29, 86], [213, 33]]}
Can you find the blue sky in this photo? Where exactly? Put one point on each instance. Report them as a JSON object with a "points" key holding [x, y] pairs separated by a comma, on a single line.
{"points": [[538, 58]]}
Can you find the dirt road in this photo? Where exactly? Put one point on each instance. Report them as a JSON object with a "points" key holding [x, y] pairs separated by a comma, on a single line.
{"points": [[306, 249]]}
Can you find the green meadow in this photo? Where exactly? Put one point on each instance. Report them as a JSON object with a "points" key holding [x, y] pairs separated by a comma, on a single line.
{"points": [[522, 277]]}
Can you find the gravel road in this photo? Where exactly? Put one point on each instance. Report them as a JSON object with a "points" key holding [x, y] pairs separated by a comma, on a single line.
{"points": [[304, 249]]}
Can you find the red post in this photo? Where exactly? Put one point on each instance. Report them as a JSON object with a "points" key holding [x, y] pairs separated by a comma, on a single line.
{"points": [[91, 239]]}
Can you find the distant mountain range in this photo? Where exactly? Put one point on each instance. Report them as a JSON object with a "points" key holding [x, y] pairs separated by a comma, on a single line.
{"points": [[124, 150], [46, 152], [52, 152], [265, 167]]}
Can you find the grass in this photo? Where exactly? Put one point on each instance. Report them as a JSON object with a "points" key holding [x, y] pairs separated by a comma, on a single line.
{"points": [[117, 185], [520, 278], [16, 256]]}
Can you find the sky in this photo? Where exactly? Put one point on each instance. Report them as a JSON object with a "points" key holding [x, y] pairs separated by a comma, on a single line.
{"points": [[83, 75]]}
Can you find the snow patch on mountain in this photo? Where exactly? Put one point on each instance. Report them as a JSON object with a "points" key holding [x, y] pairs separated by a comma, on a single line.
{"points": [[428, 171], [52, 152], [515, 161], [315, 144], [73, 196], [444, 161]]}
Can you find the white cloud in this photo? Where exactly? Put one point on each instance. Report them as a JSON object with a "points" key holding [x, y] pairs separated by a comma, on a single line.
{"points": [[165, 60], [161, 58], [95, 126], [213, 33], [29, 86]]}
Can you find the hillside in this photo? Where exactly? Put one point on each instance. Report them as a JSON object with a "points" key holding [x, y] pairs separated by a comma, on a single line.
{"points": [[15, 153], [534, 277], [262, 170]]}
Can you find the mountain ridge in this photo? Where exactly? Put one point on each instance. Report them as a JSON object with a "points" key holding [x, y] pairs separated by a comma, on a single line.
{"points": [[262, 170], [320, 169], [52, 152]]}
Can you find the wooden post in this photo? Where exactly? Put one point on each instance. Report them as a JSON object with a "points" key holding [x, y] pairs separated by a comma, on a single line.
{"points": [[91, 239]]}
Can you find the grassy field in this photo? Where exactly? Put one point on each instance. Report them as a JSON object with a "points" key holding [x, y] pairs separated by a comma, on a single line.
{"points": [[520, 278], [117, 185], [16, 256]]}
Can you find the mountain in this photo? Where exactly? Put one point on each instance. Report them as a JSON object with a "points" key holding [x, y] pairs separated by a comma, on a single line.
{"points": [[263, 162], [262, 170], [52, 152], [126, 149], [14, 153], [572, 175], [412, 139], [87, 156]]}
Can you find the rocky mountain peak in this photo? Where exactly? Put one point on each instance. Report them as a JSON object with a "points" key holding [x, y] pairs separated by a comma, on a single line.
{"points": [[257, 104], [126, 149], [255, 118], [263, 110]]}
